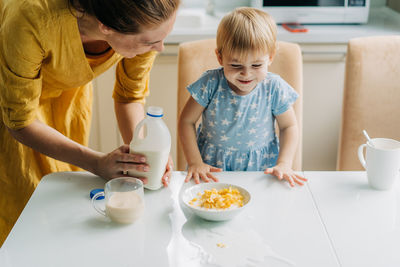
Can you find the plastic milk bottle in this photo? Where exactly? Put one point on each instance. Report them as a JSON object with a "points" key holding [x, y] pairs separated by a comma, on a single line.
{"points": [[155, 145]]}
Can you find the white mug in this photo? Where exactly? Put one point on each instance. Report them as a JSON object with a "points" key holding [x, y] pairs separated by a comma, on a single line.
{"points": [[124, 200], [382, 162]]}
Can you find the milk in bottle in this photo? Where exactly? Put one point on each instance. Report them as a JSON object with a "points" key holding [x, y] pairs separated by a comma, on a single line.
{"points": [[155, 145]]}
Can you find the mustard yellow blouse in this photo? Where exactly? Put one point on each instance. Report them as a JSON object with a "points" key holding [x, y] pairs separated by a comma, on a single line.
{"points": [[45, 75]]}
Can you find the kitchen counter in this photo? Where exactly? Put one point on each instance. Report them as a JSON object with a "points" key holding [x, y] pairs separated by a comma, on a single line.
{"points": [[195, 24]]}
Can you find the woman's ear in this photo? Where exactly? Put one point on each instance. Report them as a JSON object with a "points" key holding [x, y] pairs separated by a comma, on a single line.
{"points": [[219, 56], [104, 29]]}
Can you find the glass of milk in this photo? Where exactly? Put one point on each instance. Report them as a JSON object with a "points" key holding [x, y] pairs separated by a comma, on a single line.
{"points": [[124, 200]]}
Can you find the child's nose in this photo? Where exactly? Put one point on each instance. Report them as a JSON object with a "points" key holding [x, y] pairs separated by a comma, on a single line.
{"points": [[245, 71]]}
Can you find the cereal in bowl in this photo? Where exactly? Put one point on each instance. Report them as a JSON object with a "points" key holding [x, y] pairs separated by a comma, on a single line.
{"points": [[218, 199]]}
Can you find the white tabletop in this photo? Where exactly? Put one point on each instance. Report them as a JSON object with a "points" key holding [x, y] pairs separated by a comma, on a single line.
{"points": [[280, 227], [363, 224]]}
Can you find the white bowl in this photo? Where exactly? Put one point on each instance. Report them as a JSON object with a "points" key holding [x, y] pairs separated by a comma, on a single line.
{"points": [[214, 214]]}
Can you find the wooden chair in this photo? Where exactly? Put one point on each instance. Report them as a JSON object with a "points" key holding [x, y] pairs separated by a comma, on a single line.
{"points": [[371, 98], [196, 57]]}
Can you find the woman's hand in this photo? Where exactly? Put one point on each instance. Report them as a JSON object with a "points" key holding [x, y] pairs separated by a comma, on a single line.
{"points": [[116, 163], [283, 171], [168, 172], [203, 171]]}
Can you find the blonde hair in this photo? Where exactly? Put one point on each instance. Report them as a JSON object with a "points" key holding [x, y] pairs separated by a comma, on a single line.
{"points": [[246, 29]]}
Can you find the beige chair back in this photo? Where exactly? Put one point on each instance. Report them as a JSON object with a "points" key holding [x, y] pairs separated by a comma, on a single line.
{"points": [[196, 57], [371, 97]]}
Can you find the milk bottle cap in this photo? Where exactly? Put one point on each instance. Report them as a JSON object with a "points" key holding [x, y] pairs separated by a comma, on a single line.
{"points": [[95, 191], [153, 111]]}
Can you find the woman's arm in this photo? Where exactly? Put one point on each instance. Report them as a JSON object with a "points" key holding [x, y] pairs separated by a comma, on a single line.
{"points": [[128, 116], [52, 143]]}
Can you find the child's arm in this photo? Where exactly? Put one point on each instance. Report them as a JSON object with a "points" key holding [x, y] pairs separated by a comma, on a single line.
{"points": [[288, 138], [187, 134]]}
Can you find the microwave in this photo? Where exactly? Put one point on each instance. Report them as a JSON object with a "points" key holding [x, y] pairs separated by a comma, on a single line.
{"points": [[316, 11]]}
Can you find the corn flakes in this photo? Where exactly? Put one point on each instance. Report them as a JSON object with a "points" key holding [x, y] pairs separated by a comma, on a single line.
{"points": [[218, 199]]}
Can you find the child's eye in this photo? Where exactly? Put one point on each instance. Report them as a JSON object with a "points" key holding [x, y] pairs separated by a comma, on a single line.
{"points": [[236, 66], [257, 65]]}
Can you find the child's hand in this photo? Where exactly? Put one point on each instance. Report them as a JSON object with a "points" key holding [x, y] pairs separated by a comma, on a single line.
{"points": [[281, 171], [202, 171]]}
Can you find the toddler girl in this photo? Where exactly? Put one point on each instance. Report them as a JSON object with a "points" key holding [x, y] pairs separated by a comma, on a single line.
{"points": [[239, 103]]}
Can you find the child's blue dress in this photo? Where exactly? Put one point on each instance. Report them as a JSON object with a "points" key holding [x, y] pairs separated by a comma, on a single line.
{"points": [[237, 132]]}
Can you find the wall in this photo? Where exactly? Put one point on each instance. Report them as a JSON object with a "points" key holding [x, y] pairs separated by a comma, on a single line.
{"points": [[394, 4]]}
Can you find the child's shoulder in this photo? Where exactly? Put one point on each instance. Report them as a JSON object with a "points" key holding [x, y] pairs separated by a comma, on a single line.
{"points": [[274, 79], [218, 72]]}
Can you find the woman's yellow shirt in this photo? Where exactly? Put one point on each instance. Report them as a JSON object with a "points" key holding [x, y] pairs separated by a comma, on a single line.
{"points": [[41, 55], [45, 75]]}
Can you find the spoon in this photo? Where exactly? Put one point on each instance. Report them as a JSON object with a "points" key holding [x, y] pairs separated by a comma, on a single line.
{"points": [[368, 139]]}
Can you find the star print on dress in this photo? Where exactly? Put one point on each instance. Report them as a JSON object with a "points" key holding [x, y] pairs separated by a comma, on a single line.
{"points": [[254, 106], [238, 131], [250, 143], [225, 122], [239, 160], [238, 113], [265, 166], [252, 131], [224, 138], [253, 119]]}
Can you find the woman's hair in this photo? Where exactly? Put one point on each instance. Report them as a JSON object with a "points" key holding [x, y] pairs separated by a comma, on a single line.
{"points": [[246, 29], [128, 16]]}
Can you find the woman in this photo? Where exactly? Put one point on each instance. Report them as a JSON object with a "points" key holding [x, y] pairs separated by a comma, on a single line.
{"points": [[50, 50]]}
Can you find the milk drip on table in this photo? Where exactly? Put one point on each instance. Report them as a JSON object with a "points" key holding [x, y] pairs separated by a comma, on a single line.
{"points": [[155, 145]]}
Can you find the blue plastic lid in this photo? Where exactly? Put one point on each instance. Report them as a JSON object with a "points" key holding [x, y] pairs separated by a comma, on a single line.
{"points": [[95, 191], [153, 111]]}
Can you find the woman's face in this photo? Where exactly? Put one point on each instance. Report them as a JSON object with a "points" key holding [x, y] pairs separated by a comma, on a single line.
{"points": [[130, 45]]}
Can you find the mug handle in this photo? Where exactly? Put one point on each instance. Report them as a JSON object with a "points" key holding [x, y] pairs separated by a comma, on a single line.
{"points": [[361, 155], [99, 210]]}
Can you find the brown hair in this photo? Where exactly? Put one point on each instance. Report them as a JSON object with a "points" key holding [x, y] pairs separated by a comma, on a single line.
{"points": [[128, 16], [246, 29]]}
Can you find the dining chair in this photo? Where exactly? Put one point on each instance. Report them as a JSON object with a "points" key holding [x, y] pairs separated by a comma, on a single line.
{"points": [[371, 96], [195, 57]]}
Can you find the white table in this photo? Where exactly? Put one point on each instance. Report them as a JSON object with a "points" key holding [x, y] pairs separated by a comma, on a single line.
{"points": [[362, 223], [335, 220]]}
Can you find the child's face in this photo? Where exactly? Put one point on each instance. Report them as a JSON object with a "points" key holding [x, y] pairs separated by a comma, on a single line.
{"points": [[244, 75]]}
